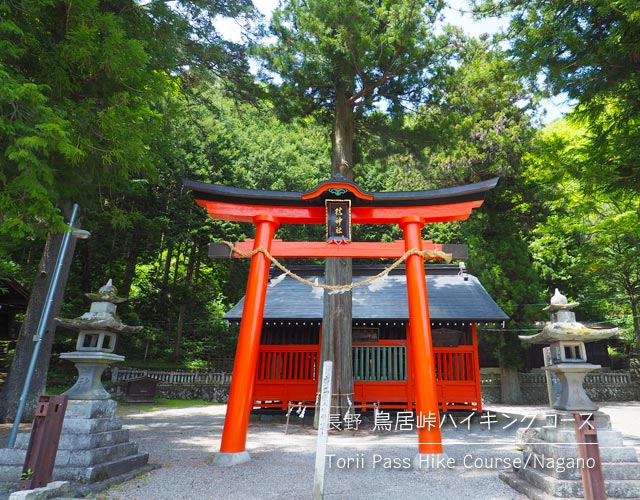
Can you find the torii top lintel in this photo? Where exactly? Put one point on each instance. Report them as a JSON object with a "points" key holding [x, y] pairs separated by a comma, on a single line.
{"points": [[288, 207]]}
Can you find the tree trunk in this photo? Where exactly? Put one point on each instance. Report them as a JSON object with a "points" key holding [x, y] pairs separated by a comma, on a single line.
{"points": [[337, 318], [510, 386], [163, 305], [130, 268], [13, 387], [636, 324], [177, 349], [342, 136], [167, 266]]}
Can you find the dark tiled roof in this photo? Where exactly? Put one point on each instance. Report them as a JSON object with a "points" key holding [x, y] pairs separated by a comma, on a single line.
{"points": [[451, 297], [13, 297]]}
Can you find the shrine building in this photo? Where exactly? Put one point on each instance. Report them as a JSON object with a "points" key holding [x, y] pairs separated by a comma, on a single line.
{"points": [[291, 333]]}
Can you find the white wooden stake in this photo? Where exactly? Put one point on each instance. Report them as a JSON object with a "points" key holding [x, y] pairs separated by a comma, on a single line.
{"points": [[323, 431]]}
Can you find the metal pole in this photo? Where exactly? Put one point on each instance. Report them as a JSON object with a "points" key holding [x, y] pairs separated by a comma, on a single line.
{"points": [[44, 319]]}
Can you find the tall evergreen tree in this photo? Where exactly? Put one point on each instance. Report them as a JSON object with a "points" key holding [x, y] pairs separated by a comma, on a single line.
{"points": [[343, 59]]}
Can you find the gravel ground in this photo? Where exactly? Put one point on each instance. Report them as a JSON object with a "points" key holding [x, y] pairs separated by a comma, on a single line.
{"points": [[183, 442]]}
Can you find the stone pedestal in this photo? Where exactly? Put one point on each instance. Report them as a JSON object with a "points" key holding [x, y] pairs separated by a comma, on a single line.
{"points": [[93, 447], [573, 397], [90, 366], [550, 466]]}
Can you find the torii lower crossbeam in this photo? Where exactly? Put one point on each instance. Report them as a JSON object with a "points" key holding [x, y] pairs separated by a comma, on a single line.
{"points": [[322, 249]]}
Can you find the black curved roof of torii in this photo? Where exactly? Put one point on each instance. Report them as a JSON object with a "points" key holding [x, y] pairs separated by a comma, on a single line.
{"points": [[456, 194]]}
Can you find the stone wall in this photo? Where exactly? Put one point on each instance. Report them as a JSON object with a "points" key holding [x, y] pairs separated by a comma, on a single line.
{"points": [[215, 393], [600, 386]]}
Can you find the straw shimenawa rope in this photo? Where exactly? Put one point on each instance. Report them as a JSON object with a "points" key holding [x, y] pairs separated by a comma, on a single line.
{"points": [[428, 254]]}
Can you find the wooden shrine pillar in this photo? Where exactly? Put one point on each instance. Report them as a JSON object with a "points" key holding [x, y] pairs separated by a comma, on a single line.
{"points": [[234, 434], [427, 414]]}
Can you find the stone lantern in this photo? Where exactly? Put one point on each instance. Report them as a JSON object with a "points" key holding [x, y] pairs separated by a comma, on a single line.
{"points": [[93, 446], [98, 333], [566, 338], [574, 453]]}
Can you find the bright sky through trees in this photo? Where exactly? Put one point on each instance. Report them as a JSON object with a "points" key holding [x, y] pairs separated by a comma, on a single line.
{"points": [[457, 13]]}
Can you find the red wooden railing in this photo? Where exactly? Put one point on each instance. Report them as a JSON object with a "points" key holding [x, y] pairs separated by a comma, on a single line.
{"points": [[291, 363], [454, 364], [289, 373]]}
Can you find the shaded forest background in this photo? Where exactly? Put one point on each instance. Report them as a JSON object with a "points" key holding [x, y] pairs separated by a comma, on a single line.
{"points": [[111, 104]]}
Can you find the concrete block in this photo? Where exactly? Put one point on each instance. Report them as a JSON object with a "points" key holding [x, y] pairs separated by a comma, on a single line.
{"points": [[102, 408], [88, 426], [55, 489], [70, 441]]}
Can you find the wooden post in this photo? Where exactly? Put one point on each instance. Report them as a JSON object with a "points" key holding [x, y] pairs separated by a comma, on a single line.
{"points": [[589, 450], [476, 364], [323, 431], [234, 434], [429, 437], [43, 443]]}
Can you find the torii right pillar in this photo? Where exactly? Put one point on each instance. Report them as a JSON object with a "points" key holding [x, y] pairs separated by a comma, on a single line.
{"points": [[430, 455]]}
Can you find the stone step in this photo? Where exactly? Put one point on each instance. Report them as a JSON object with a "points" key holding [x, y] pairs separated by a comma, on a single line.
{"points": [[605, 437], [81, 441], [573, 488], [11, 463], [101, 472], [91, 457], [10, 473], [90, 426], [7, 488], [530, 491], [70, 441], [571, 468], [612, 454]]}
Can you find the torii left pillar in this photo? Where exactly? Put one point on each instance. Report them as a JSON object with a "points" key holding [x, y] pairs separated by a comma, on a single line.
{"points": [[234, 435]]}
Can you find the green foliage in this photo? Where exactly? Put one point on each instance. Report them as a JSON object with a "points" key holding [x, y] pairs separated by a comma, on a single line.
{"points": [[590, 51], [381, 51], [588, 243], [499, 257], [113, 103]]}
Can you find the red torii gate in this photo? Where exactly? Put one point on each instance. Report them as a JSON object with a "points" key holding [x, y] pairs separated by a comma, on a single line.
{"points": [[269, 209]]}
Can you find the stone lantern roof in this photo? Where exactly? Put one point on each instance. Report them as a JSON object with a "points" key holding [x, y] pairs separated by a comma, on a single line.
{"points": [[564, 326]]}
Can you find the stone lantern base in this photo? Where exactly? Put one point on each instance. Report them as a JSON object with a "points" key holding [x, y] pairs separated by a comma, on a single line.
{"points": [[573, 397], [90, 366], [550, 466], [93, 451]]}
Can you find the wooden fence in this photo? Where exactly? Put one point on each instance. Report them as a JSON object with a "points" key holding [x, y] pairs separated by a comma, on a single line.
{"points": [[172, 377]]}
